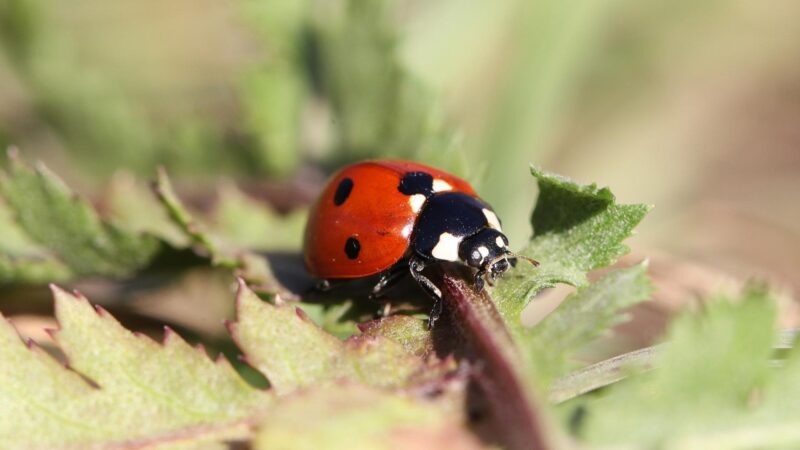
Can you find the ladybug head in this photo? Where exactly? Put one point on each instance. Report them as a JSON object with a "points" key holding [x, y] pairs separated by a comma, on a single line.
{"points": [[488, 252]]}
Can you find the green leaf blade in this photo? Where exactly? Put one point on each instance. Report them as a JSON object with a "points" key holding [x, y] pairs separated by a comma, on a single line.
{"points": [[167, 395], [293, 352], [578, 228], [714, 377], [581, 318], [52, 216]]}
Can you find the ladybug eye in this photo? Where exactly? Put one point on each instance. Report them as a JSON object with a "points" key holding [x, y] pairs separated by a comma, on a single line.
{"points": [[475, 256]]}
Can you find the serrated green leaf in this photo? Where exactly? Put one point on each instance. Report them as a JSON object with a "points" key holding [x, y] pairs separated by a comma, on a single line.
{"points": [[293, 352], [56, 219], [245, 263], [132, 202], [195, 232], [355, 417], [714, 387], [167, 395], [21, 259], [581, 318], [577, 228], [31, 269]]}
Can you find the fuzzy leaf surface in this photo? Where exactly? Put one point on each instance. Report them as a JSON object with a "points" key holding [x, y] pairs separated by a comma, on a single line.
{"points": [[53, 217], [167, 395], [410, 332], [23, 260], [293, 352], [577, 228]]}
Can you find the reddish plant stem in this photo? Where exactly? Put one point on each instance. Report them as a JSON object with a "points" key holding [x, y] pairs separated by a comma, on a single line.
{"points": [[517, 421]]}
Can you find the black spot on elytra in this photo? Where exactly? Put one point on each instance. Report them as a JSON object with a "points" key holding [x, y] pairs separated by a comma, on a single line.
{"points": [[352, 247], [343, 191], [416, 183]]}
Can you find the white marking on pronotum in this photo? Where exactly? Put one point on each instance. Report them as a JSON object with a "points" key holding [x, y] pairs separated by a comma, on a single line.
{"points": [[483, 251], [491, 217], [500, 242], [406, 231], [441, 185], [447, 247], [416, 201]]}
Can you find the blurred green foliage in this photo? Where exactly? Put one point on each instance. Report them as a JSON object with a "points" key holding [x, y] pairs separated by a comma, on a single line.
{"points": [[266, 89], [716, 387], [325, 85]]}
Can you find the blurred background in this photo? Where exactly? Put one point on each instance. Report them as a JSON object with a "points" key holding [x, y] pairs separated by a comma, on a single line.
{"points": [[693, 107]]}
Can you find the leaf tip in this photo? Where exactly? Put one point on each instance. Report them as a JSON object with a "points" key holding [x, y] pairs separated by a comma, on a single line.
{"points": [[56, 289], [64, 301], [200, 348], [162, 185], [230, 325], [242, 292], [302, 314], [102, 312], [169, 334], [162, 178]]}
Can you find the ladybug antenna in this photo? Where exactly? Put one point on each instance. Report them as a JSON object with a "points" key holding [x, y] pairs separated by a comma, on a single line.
{"points": [[510, 254], [533, 262]]}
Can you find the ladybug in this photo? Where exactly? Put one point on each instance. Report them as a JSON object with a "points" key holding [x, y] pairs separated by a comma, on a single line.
{"points": [[395, 218]]}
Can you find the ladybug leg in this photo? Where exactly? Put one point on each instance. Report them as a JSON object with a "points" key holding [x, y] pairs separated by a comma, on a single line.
{"points": [[436, 312], [386, 310], [492, 278], [479, 279], [323, 286], [417, 266], [387, 280]]}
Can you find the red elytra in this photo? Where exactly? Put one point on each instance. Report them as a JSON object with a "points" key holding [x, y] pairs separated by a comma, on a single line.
{"points": [[362, 227]]}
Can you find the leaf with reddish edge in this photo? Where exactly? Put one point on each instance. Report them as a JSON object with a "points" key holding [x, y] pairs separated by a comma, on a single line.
{"points": [[124, 390], [293, 352], [517, 420]]}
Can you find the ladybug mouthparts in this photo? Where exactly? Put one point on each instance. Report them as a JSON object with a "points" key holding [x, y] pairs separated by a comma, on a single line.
{"points": [[488, 252]]}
